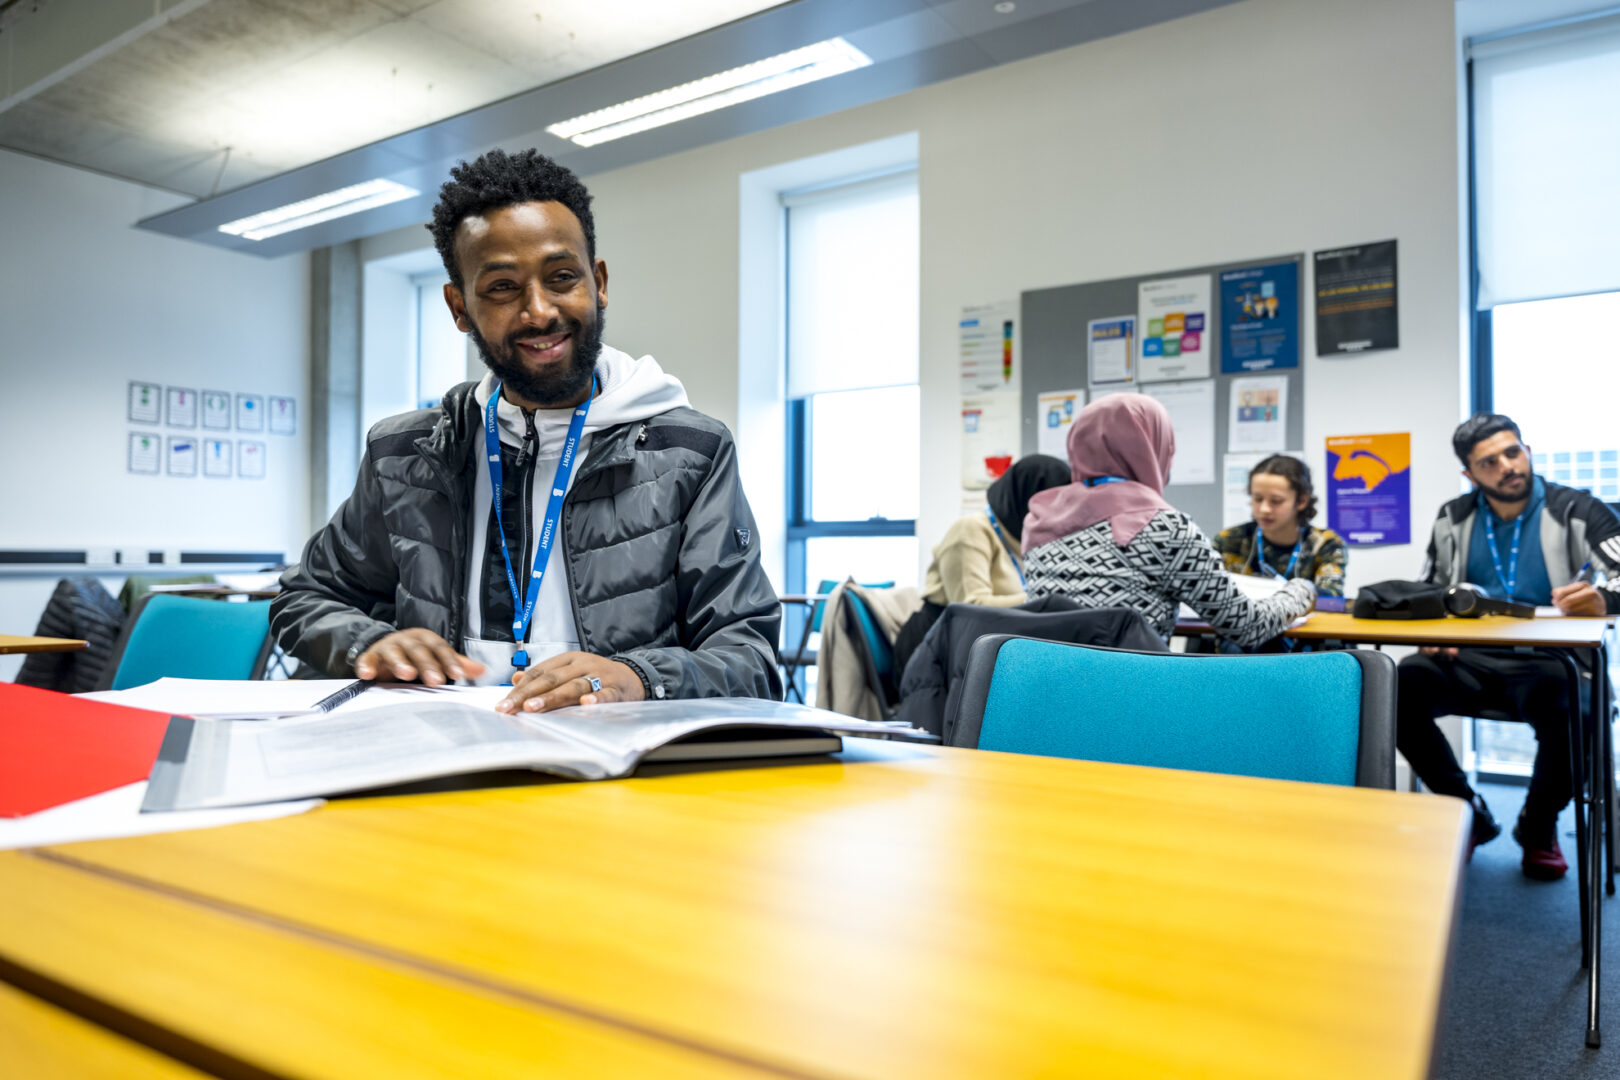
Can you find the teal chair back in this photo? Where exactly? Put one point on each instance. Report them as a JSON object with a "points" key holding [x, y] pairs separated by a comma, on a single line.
{"points": [[826, 587], [1327, 718], [191, 638]]}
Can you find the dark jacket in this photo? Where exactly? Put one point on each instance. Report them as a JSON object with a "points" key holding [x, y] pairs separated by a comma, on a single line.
{"points": [[932, 681], [656, 538], [1574, 527], [78, 608]]}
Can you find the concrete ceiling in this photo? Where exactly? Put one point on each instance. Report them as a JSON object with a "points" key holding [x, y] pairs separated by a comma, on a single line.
{"points": [[253, 104], [213, 95]]}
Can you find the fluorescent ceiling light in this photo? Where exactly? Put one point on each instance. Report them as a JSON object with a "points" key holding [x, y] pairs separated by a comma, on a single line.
{"points": [[822, 60], [313, 211]]}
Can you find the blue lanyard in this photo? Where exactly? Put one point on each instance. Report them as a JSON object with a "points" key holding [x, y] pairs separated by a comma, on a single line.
{"points": [[1267, 568], [523, 606], [996, 525], [1095, 480], [1512, 576]]}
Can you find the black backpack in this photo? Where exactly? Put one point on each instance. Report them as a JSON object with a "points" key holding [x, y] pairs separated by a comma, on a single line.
{"points": [[1400, 600]]}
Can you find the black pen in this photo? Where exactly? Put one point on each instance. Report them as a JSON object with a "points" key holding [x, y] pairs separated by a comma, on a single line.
{"points": [[348, 693]]}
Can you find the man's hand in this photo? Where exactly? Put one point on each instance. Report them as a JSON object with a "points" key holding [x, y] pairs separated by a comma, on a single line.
{"points": [[566, 680], [1579, 598], [1437, 650], [415, 656]]}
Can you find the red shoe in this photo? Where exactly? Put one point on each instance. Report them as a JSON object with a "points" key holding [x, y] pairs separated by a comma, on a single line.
{"points": [[1543, 860]]}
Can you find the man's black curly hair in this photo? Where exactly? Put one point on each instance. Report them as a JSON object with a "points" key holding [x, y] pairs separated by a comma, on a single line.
{"points": [[500, 179]]}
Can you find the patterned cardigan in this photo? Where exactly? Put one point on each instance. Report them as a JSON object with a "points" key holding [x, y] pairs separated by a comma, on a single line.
{"points": [[1168, 563]]}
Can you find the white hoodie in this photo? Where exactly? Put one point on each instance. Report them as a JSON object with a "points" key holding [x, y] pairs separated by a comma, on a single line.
{"points": [[632, 390]]}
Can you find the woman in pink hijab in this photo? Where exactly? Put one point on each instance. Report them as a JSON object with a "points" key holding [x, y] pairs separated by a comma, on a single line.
{"points": [[1110, 539]]}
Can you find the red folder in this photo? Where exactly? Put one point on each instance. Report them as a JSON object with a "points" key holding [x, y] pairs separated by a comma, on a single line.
{"points": [[55, 748]]}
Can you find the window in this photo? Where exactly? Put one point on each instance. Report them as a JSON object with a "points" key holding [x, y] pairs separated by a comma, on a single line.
{"points": [[852, 423], [441, 349], [1544, 163]]}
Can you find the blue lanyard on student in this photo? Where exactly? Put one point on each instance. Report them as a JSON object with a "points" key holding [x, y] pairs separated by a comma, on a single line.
{"points": [[1095, 480], [1260, 555], [1512, 576], [523, 606], [996, 525]]}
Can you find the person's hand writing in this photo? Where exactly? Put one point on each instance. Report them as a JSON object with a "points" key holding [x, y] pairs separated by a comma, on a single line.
{"points": [[1579, 598], [565, 679], [415, 656], [1437, 650]]}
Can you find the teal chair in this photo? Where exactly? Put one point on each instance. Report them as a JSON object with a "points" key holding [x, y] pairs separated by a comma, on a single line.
{"points": [[191, 638], [1326, 718], [876, 652]]}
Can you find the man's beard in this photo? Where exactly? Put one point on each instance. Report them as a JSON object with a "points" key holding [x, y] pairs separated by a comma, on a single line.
{"points": [[1503, 496], [559, 386]]}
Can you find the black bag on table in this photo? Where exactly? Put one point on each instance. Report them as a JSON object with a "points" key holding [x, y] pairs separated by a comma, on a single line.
{"points": [[1400, 600]]}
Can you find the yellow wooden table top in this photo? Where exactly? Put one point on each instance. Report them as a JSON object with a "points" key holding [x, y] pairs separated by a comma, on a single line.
{"points": [[43, 1042], [905, 911], [27, 643], [1487, 631]]}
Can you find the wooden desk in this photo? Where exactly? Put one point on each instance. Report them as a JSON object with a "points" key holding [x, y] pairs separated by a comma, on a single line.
{"points": [[901, 911], [24, 643], [1488, 631], [1594, 752], [43, 1042]]}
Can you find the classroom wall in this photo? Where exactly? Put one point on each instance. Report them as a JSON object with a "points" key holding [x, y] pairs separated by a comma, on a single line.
{"points": [[88, 303], [1266, 126]]}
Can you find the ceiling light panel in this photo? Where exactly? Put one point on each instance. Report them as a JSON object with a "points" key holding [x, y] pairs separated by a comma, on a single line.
{"points": [[318, 208], [823, 60]]}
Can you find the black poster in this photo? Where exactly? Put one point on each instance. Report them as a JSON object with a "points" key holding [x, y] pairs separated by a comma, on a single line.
{"points": [[1356, 308]]}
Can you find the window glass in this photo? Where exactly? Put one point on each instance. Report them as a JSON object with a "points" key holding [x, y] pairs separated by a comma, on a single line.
{"points": [[1557, 368], [870, 560], [441, 348], [864, 447]]}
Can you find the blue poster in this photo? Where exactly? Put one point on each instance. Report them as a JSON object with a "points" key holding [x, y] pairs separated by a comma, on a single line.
{"points": [[1369, 488], [1260, 318]]}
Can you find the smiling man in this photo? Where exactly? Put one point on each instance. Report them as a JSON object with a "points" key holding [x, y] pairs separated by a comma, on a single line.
{"points": [[568, 524], [1516, 537]]}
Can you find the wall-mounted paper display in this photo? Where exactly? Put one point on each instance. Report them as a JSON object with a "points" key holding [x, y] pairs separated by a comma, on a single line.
{"points": [[1357, 304], [1173, 318], [249, 412], [1257, 413], [145, 453], [181, 408], [146, 402], [216, 410], [217, 458], [249, 459], [1260, 318], [1369, 488], [181, 456], [986, 346], [990, 437], [1054, 416], [283, 415], [1191, 406], [1111, 350]]}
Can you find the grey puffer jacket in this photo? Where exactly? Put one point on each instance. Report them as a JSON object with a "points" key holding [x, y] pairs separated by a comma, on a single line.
{"points": [[656, 537]]}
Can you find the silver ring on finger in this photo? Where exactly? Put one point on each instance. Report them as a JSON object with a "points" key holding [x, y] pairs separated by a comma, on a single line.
{"points": [[596, 684]]}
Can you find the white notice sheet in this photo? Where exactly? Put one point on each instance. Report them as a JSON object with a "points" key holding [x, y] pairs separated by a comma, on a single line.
{"points": [[1055, 411], [1258, 414], [1173, 321], [1192, 413]]}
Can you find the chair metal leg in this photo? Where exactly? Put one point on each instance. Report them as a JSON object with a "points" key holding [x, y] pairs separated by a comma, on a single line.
{"points": [[1599, 816]]}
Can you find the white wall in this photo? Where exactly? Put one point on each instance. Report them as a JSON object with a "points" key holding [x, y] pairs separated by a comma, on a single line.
{"points": [[1263, 127], [88, 303]]}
